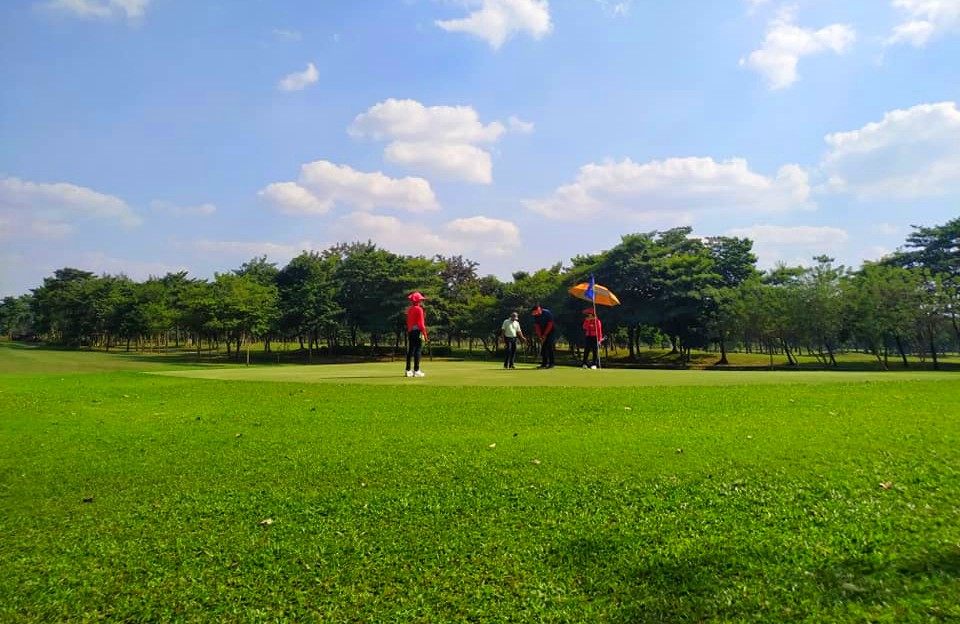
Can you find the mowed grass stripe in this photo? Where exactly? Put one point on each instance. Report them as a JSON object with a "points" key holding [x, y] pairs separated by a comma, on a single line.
{"points": [[449, 373]]}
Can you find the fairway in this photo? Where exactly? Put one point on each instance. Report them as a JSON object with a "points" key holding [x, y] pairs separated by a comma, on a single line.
{"points": [[446, 373], [474, 494]]}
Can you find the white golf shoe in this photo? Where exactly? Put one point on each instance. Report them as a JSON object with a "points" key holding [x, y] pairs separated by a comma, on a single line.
{"points": [[418, 374], [408, 374]]}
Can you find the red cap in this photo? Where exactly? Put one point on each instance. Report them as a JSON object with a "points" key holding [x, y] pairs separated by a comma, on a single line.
{"points": [[537, 311], [592, 311], [416, 297]]}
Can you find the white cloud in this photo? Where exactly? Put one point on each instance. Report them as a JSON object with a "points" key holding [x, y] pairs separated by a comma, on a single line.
{"points": [[519, 126], [392, 233], [133, 10], [286, 35], [927, 19], [22, 201], [323, 184], [174, 210], [498, 20], [673, 188], [492, 236], [910, 154], [480, 236], [99, 262], [435, 139], [451, 160], [785, 43], [50, 230], [886, 229], [250, 249], [876, 252], [298, 81], [791, 235], [617, 8], [291, 198], [795, 245], [409, 120]]}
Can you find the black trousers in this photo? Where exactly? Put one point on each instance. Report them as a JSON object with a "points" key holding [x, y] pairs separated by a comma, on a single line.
{"points": [[510, 345], [414, 348], [547, 349], [590, 347]]}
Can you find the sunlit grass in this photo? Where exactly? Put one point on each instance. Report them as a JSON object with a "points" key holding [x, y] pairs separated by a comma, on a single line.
{"points": [[153, 498]]}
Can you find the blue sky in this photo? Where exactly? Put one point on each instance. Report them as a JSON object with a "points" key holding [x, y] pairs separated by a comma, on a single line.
{"points": [[147, 136]]}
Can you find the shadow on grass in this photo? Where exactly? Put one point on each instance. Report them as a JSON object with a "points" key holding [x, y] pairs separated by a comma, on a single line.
{"points": [[741, 586], [874, 584]]}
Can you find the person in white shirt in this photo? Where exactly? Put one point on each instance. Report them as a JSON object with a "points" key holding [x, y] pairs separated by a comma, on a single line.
{"points": [[511, 332]]}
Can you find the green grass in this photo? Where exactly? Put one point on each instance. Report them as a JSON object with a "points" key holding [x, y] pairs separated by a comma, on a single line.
{"points": [[491, 374], [131, 497]]}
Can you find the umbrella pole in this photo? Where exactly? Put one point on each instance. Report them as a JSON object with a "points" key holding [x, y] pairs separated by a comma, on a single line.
{"points": [[598, 339], [598, 345], [596, 316]]}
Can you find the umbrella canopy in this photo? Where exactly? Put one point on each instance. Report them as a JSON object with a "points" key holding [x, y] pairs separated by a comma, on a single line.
{"points": [[602, 294]]}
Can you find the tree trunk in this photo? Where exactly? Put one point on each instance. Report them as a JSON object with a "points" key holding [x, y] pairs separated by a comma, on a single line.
{"points": [[933, 353], [903, 354], [786, 350], [833, 360], [723, 351]]}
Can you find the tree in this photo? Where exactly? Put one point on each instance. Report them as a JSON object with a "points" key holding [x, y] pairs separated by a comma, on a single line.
{"points": [[198, 312], [61, 307], [881, 302], [373, 289], [774, 308], [307, 298], [458, 285], [821, 323], [16, 320], [937, 249], [245, 308], [734, 263]]}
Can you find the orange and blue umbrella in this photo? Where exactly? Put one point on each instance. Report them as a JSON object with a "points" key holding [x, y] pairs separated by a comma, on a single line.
{"points": [[594, 293]]}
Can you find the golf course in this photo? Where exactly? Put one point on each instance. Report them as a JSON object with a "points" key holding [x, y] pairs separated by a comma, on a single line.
{"points": [[137, 488]]}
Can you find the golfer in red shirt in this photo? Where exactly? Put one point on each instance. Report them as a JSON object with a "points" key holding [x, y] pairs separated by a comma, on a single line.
{"points": [[416, 333], [593, 336]]}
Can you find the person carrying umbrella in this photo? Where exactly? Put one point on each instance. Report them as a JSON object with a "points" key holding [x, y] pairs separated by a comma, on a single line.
{"points": [[547, 333], [593, 336], [597, 295]]}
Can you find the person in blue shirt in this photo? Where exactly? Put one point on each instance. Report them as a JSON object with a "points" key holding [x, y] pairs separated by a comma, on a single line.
{"points": [[547, 333]]}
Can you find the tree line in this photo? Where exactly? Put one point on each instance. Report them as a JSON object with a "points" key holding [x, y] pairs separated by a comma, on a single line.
{"points": [[676, 290]]}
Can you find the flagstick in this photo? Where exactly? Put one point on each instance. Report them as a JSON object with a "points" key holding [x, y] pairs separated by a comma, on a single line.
{"points": [[596, 324]]}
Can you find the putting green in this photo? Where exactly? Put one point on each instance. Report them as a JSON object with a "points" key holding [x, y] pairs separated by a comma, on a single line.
{"points": [[493, 374]]}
